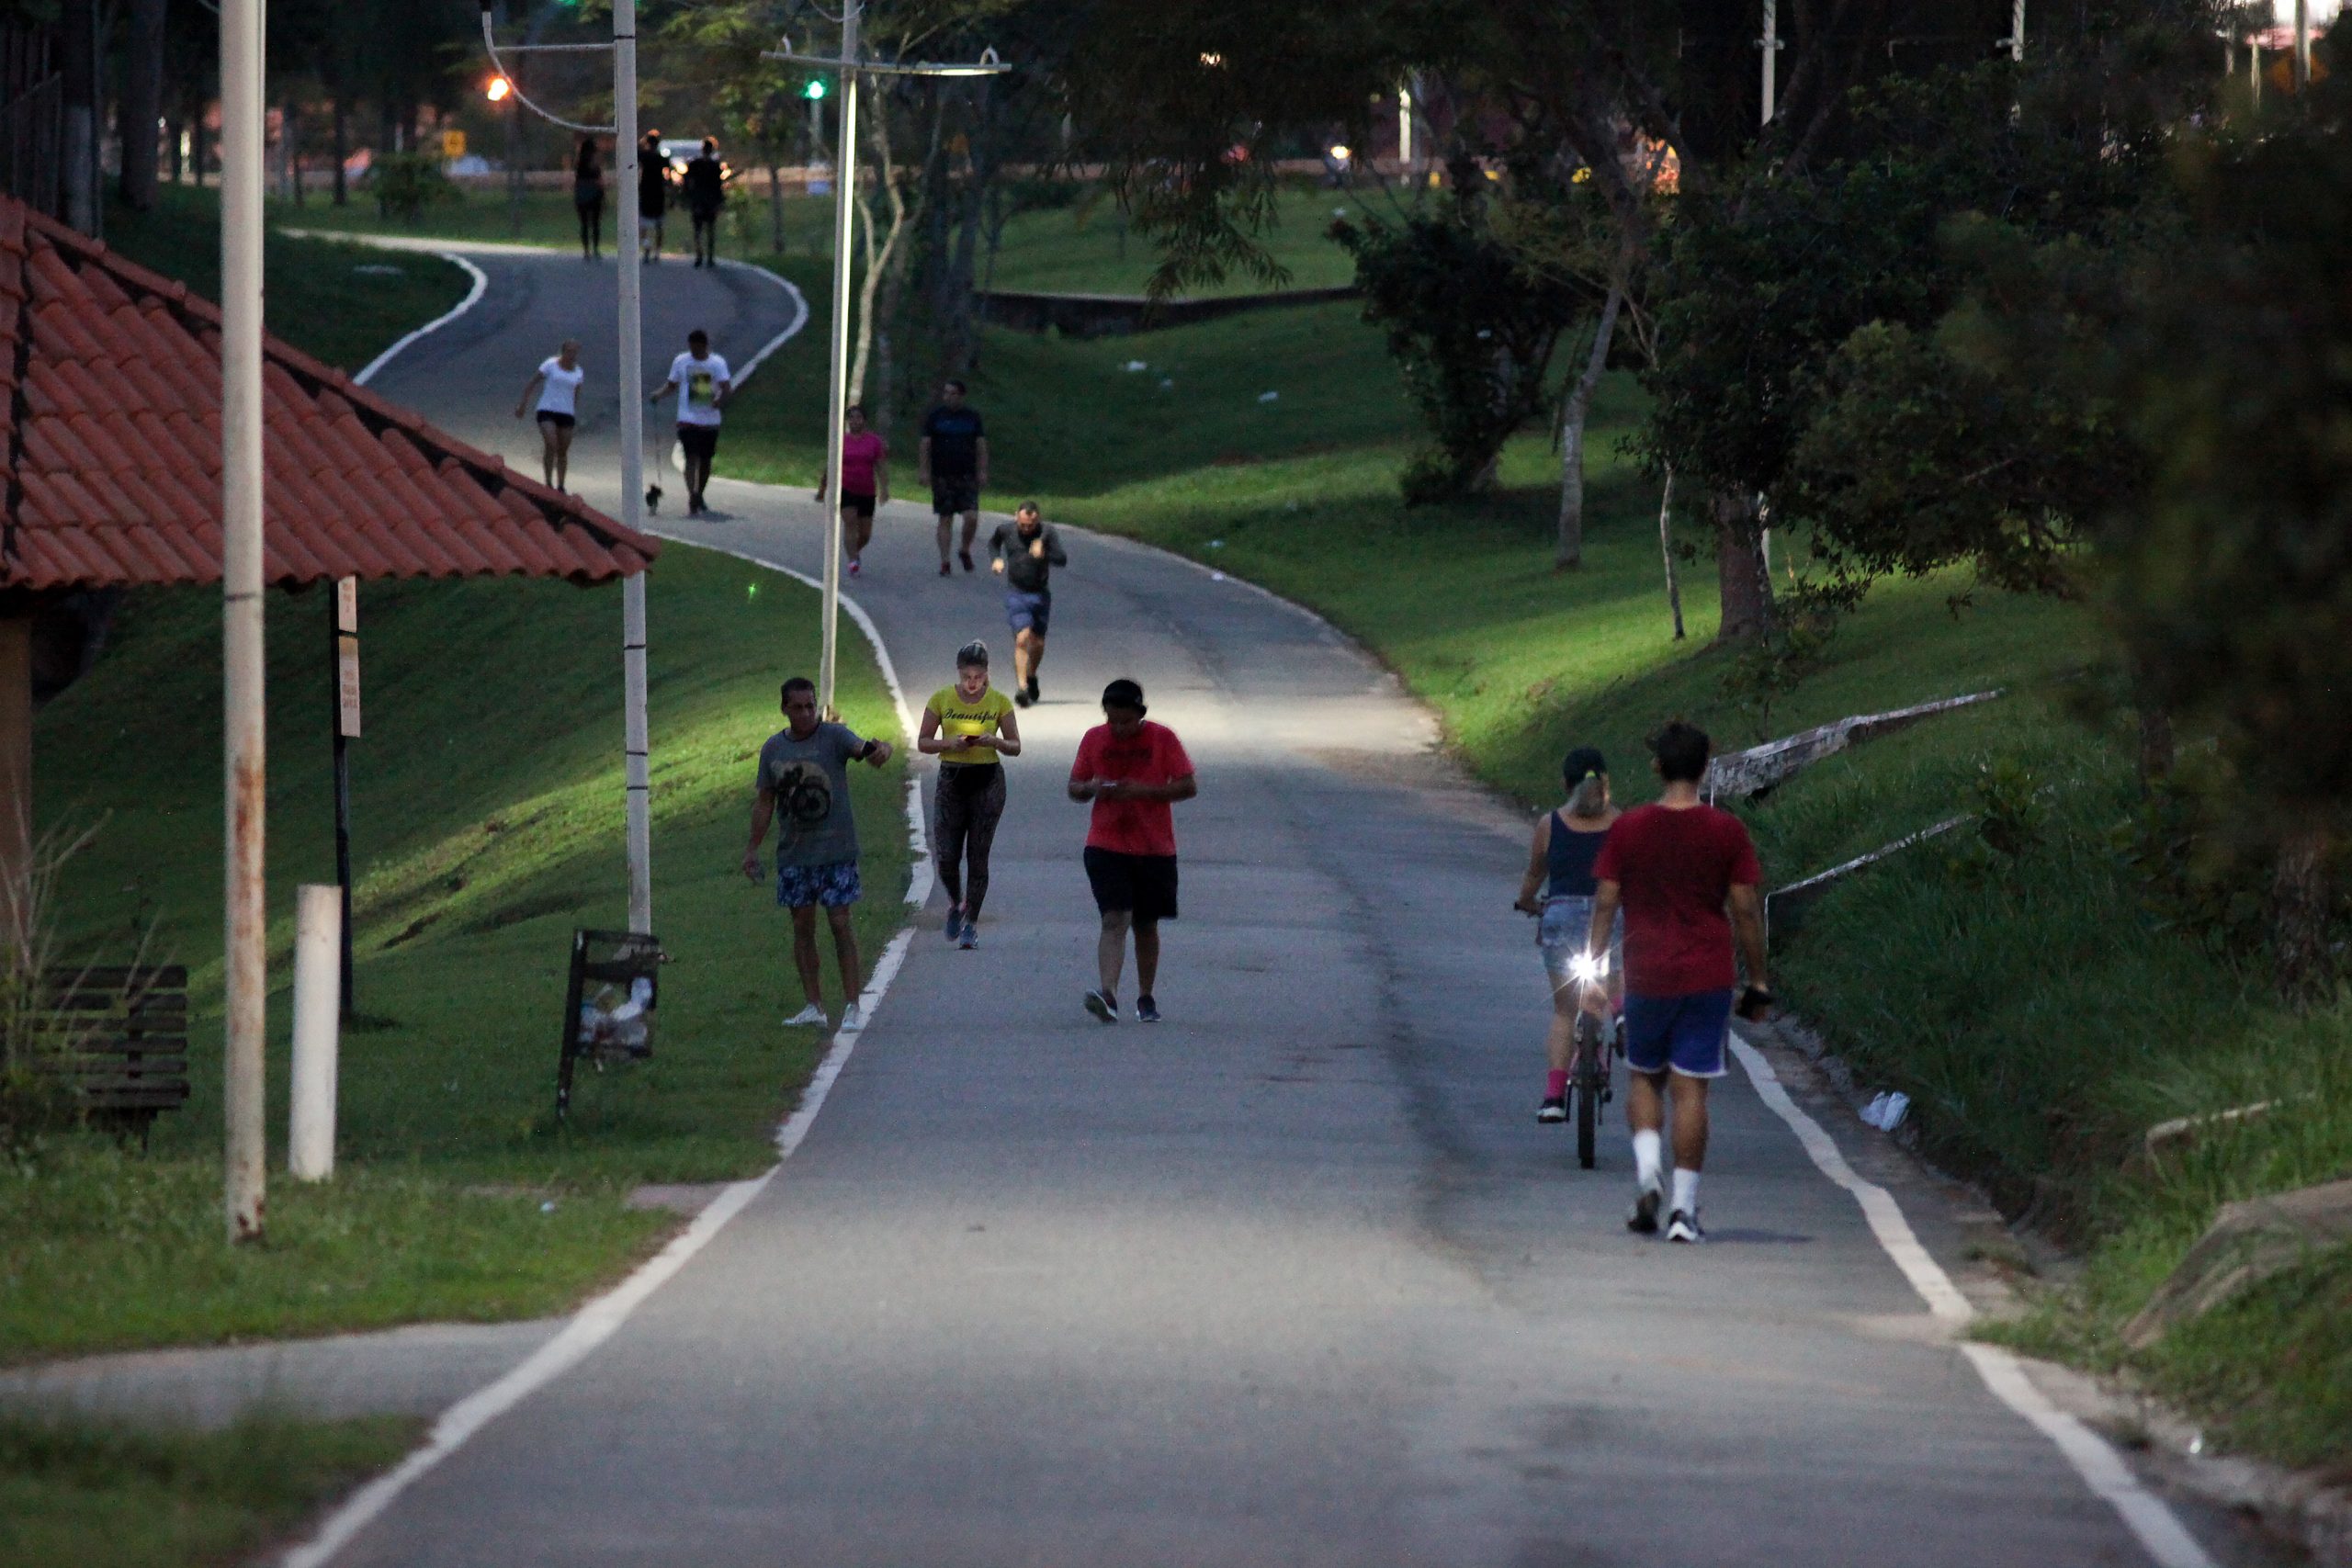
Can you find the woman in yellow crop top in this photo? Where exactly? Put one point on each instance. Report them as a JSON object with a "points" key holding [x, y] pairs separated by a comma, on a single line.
{"points": [[969, 728]]}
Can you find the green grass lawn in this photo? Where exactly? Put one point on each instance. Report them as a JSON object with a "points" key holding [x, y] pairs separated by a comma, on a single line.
{"points": [[83, 1492], [1085, 248], [2041, 1019], [487, 819]]}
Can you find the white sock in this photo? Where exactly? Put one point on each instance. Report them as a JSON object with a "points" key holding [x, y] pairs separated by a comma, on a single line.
{"points": [[1645, 1153], [1686, 1190]]}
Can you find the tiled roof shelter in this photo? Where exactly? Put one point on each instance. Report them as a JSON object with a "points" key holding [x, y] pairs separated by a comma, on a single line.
{"points": [[110, 408]]}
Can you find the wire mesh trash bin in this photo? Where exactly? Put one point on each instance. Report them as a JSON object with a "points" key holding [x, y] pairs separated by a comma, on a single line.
{"points": [[610, 1006]]}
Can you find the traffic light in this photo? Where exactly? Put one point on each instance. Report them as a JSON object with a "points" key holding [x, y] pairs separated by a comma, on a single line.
{"points": [[814, 90]]}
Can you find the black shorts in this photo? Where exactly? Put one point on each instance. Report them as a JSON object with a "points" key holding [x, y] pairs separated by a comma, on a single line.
{"points": [[1143, 886], [560, 421], [699, 440], [953, 493], [863, 505]]}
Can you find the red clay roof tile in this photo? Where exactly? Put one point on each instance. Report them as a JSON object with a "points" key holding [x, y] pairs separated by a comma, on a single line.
{"points": [[113, 441]]}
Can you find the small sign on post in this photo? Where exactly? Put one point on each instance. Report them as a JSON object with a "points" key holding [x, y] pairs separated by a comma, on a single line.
{"points": [[346, 656]]}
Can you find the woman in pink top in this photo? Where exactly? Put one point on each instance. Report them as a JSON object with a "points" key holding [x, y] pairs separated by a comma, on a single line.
{"points": [[866, 483]]}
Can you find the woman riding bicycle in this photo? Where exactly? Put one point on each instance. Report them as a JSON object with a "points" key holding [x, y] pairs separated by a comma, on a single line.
{"points": [[1559, 863], [968, 725]]}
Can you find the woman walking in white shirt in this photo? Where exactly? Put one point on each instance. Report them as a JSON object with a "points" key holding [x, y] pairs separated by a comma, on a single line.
{"points": [[557, 381]]}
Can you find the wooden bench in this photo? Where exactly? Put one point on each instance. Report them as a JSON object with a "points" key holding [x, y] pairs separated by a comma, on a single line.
{"points": [[120, 1043]]}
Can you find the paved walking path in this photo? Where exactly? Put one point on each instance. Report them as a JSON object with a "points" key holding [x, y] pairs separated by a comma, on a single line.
{"points": [[1293, 1278]]}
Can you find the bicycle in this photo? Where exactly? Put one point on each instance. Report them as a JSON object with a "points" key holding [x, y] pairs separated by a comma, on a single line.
{"points": [[1589, 1069]]}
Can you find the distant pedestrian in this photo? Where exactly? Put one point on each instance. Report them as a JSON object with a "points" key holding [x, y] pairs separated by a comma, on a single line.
{"points": [[557, 381], [705, 186], [803, 785], [1132, 770], [969, 726], [953, 461], [866, 484], [588, 197], [1675, 867], [653, 195], [1024, 552], [703, 383]]}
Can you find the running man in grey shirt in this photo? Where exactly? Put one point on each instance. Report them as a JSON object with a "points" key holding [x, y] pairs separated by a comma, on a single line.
{"points": [[803, 784]]}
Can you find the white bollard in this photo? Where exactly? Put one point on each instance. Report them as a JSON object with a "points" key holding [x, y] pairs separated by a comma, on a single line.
{"points": [[318, 1001]]}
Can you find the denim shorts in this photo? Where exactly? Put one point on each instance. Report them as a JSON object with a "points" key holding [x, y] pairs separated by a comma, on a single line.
{"points": [[835, 885], [1563, 930], [1684, 1033]]}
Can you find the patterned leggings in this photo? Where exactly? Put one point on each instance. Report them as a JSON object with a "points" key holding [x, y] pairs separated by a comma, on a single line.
{"points": [[970, 800]]}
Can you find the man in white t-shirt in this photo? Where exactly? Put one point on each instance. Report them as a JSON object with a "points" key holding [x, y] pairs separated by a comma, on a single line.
{"points": [[557, 381], [702, 381]]}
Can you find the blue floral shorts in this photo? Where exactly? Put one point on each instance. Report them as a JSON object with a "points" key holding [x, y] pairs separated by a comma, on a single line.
{"points": [[834, 885]]}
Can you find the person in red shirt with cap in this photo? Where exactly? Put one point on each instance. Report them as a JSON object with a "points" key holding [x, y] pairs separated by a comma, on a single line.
{"points": [[1133, 770], [1686, 876]]}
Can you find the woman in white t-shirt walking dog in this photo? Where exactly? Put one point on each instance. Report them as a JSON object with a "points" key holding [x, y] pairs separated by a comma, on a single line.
{"points": [[557, 381]]}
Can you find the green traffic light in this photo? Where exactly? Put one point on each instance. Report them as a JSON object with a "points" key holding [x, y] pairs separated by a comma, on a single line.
{"points": [[815, 89]]}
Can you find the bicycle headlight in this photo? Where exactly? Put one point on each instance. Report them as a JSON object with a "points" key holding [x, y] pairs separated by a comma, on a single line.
{"points": [[1585, 968]]}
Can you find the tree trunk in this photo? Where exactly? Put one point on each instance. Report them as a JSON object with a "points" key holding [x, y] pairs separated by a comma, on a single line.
{"points": [[341, 150], [2300, 905], [142, 99], [1746, 582], [77, 38], [173, 155], [1568, 555], [878, 259], [1665, 549], [775, 209], [294, 149]]}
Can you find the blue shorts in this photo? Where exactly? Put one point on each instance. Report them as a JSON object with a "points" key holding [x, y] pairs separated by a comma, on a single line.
{"points": [[834, 885], [1028, 611], [1684, 1034]]}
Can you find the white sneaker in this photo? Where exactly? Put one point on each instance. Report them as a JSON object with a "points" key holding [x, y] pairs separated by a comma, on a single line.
{"points": [[810, 1017], [851, 1019]]}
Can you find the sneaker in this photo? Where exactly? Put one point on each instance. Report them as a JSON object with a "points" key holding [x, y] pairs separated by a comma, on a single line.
{"points": [[952, 926], [1020, 698], [852, 566], [1553, 1109], [851, 1019], [945, 569], [966, 557], [1102, 1005], [971, 936], [1643, 1221], [1033, 690], [1681, 1225], [810, 1017], [1147, 1010]]}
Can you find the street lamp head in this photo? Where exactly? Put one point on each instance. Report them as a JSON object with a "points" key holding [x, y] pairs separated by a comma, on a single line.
{"points": [[498, 90]]}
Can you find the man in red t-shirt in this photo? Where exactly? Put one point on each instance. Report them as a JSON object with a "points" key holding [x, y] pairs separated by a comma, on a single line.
{"points": [[1132, 770], [1686, 876]]}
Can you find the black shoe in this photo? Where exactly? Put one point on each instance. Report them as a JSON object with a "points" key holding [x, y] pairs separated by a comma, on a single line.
{"points": [[1683, 1226], [1643, 1221], [1102, 1005], [946, 570], [1020, 699], [1553, 1109], [1033, 690], [1147, 1010], [966, 557]]}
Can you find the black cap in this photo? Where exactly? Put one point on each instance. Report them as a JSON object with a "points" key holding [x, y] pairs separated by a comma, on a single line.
{"points": [[1124, 694], [1582, 763]]}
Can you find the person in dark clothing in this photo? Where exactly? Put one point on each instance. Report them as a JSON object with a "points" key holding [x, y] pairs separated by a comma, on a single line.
{"points": [[705, 186], [653, 195], [1024, 552], [588, 197], [1558, 888], [953, 461]]}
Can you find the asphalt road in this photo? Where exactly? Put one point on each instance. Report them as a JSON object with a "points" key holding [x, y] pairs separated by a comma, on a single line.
{"points": [[1292, 1277]]}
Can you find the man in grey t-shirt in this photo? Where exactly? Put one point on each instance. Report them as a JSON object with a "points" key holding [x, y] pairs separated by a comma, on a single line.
{"points": [[803, 784]]}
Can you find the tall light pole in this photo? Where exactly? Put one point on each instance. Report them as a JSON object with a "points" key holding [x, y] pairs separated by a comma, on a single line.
{"points": [[630, 373], [1771, 45], [2303, 45], [246, 727], [853, 70]]}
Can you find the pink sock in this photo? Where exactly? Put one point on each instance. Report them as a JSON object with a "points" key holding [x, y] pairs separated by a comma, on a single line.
{"points": [[1555, 1083]]}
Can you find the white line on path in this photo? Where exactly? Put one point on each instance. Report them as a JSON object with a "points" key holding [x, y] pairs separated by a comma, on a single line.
{"points": [[2144, 1514], [597, 1322], [474, 298]]}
